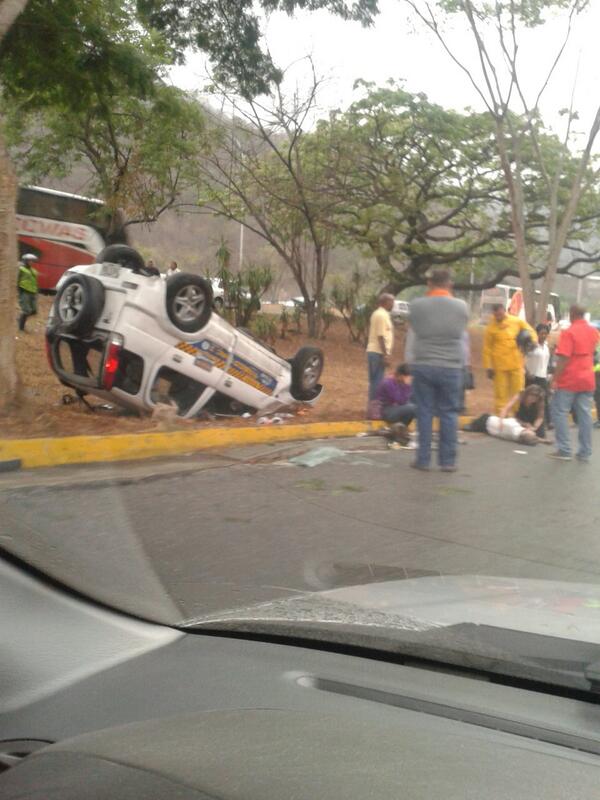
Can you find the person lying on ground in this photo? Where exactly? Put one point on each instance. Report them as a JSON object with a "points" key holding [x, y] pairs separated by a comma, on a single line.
{"points": [[526, 426], [393, 399]]}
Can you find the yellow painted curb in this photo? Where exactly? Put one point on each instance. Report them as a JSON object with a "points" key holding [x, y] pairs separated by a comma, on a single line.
{"points": [[125, 447], [54, 452]]}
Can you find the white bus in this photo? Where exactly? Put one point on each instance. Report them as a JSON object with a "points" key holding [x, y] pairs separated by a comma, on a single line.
{"points": [[511, 297], [62, 230]]}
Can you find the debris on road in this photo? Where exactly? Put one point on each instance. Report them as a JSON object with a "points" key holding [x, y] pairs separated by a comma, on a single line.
{"points": [[316, 456]]}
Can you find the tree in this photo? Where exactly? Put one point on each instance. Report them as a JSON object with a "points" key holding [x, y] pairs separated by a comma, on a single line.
{"points": [[417, 185], [9, 12], [496, 32], [57, 53], [352, 299], [228, 31], [140, 154], [420, 186], [268, 174]]}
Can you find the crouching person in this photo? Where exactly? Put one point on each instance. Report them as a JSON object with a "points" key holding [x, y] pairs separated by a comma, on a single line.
{"points": [[394, 395], [527, 424]]}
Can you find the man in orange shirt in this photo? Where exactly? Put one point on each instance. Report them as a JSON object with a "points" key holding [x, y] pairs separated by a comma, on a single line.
{"points": [[574, 384]]}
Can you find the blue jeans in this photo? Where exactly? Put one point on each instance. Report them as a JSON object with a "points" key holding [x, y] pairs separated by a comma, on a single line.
{"points": [[562, 403], [376, 372], [397, 413], [437, 393]]}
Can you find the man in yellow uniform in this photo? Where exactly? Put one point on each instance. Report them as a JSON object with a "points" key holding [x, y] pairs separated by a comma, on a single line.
{"points": [[502, 357]]}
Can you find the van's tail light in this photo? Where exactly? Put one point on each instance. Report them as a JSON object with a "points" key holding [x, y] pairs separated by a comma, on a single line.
{"points": [[111, 361]]}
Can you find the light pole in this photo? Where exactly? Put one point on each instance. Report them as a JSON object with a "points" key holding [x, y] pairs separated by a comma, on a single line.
{"points": [[235, 144], [241, 245]]}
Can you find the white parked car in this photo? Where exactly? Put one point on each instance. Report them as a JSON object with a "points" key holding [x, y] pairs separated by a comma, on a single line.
{"points": [[218, 293], [400, 311], [120, 332]]}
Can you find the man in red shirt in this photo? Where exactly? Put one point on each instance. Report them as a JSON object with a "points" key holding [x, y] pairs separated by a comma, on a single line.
{"points": [[574, 384]]}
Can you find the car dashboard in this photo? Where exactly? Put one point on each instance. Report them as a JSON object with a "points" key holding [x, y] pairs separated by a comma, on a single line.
{"points": [[97, 704]]}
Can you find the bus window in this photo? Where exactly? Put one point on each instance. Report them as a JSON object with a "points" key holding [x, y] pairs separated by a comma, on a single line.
{"points": [[63, 230]]}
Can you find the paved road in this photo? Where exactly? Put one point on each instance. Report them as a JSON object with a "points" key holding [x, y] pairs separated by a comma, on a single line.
{"points": [[174, 539]]}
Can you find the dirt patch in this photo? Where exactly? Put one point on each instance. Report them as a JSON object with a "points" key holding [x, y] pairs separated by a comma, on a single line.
{"points": [[41, 411]]}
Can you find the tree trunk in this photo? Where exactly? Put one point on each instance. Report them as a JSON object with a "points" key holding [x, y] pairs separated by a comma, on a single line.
{"points": [[9, 11], [513, 184], [313, 318], [562, 232], [8, 280]]}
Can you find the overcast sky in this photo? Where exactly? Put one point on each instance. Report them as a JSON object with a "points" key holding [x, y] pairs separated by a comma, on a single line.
{"points": [[399, 47]]}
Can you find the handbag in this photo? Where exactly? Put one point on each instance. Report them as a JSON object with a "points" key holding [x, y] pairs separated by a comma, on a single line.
{"points": [[469, 380]]}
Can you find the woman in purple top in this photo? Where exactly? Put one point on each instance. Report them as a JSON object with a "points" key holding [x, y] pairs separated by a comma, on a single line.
{"points": [[394, 394]]}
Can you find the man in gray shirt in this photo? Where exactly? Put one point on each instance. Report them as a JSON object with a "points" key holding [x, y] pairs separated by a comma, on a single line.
{"points": [[436, 356]]}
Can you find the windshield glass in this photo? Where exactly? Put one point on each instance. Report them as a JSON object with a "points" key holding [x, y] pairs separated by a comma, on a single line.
{"points": [[324, 369]]}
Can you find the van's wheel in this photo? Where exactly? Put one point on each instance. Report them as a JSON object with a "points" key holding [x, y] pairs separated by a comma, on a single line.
{"points": [[307, 366], [78, 304], [189, 301], [122, 254]]}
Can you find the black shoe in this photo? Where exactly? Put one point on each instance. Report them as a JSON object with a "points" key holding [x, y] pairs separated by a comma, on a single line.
{"points": [[414, 465]]}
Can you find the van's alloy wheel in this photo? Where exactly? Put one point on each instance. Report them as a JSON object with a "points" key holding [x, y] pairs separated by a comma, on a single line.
{"points": [[307, 366], [189, 301], [311, 372], [78, 304], [71, 302]]}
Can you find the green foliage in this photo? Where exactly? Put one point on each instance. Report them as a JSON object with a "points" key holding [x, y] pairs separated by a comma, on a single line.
{"points": [[243, 291], [228, 31], [530, 13], [327, 316], [284, 322], [351, 298], [297, 313], [140, 154], [264, 327], [65, 52], [419, 185], [271, 175], [223, 255]]}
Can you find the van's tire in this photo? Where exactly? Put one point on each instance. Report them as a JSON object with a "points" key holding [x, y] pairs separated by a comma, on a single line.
{"points": [[78, 304], [307, 366], [123, 255], [189, 301]]}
